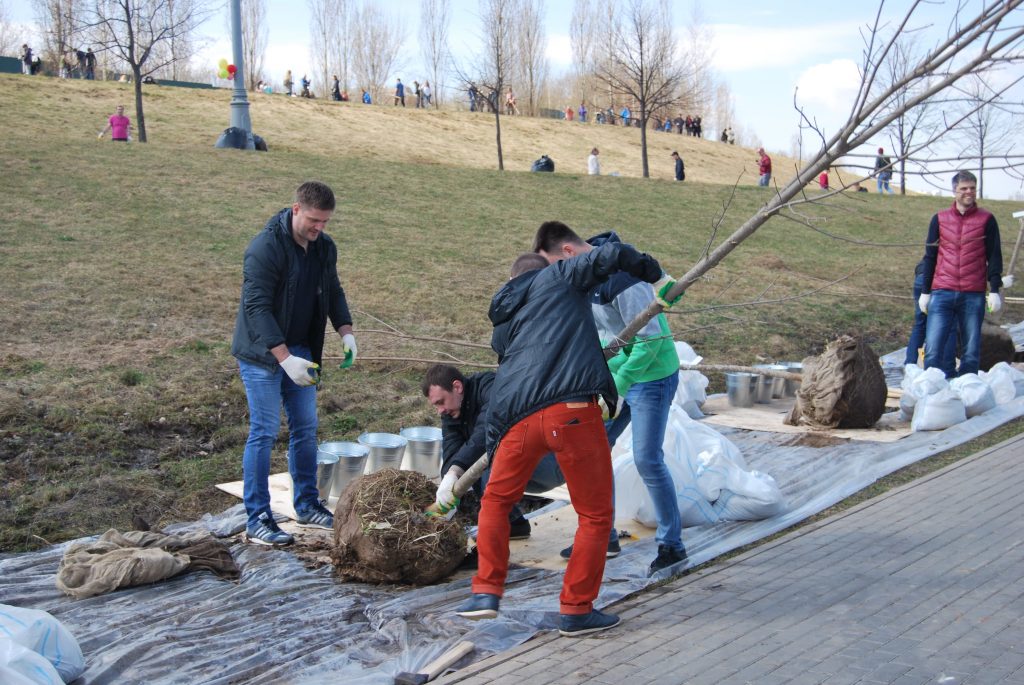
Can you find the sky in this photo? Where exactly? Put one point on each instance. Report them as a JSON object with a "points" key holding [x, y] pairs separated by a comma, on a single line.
{"points": [[764, 51]]}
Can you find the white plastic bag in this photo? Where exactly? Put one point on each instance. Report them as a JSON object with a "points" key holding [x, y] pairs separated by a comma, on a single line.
{"points": [[938, 411], [908, 398], [21, 666], [975, 393], [738, 494], [43, 634], [929, 382], [692, 393], [1006, 382]]}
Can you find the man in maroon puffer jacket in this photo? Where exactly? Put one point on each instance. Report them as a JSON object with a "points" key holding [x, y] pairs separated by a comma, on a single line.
{"points": [[962, 253]]}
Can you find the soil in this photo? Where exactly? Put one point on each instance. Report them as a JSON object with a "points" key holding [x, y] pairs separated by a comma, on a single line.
{"points": [[996, 346], [815, 440], [383, 535]]}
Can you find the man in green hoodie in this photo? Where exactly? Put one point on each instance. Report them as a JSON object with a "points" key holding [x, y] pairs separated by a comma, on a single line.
{"points": [[646, 375]]}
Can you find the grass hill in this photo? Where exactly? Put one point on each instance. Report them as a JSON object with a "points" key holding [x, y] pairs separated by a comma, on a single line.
{"points": [[121, 269]]}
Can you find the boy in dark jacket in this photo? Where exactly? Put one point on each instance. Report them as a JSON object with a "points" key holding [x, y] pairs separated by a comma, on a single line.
{"points": [[551, 373]]}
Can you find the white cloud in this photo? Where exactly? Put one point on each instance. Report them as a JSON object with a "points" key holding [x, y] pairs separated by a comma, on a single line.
{"points": [[559, 52], [738, 48], [832, 85]]}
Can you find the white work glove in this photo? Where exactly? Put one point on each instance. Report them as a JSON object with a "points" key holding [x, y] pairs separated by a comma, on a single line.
{"points": [[922, 302], [995, 303], [445, 498], [1008, 281], [298, 369], [100, 136]]}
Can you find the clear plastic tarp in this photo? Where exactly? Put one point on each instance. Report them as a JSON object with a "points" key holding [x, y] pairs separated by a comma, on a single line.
{"points": [[284, 623]]}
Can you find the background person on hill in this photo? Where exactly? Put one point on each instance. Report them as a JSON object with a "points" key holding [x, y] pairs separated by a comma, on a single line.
{"points": [[427, 94], [90, 64], [594, 163], [399, 93], [883, 171], [764, 167], [26, 59], [680, 172], [288, 82], [290, 288], [119, 125]]}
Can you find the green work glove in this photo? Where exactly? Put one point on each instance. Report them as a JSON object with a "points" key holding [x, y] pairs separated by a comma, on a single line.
{"points": [[348, 346], [661, 289]]}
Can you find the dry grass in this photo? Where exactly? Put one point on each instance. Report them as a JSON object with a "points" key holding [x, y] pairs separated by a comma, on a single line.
{"points": [[121, 270]]}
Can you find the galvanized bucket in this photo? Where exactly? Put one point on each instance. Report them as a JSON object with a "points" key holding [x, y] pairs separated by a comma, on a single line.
{"points": [[386, 450], [790, 387], [424, 451], [350, 464], [325, 463], [769, 387], [741, 388]]}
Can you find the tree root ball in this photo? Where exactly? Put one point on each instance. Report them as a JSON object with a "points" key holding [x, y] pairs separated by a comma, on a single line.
{"points": [[844, 387], [996, 346], [383, 535]]}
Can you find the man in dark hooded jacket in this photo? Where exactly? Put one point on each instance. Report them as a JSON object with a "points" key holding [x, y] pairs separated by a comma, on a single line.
{"points": [[551, 373]]}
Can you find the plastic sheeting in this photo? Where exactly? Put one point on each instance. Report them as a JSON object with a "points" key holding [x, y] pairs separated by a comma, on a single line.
{"points": [[282, 623]]}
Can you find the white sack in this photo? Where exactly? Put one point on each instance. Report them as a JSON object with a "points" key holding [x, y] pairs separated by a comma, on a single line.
{"points": [[738, 494], [938, 411], [21, 666], [692, 391], [975, 393], [42, 633], [908, 398], [1006, 382]]}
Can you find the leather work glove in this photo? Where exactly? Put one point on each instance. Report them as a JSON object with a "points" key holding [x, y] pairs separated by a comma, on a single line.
{"points": [[922, 302], [661, 289], [1008, 281], [445, 498], [348, 346], [995, 302], [302, 371]]}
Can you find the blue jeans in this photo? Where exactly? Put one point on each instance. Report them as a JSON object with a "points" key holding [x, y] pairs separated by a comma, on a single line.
{"points": [[266, 390], [647, 405], [763, 181], [917, 333], [949, 313]]}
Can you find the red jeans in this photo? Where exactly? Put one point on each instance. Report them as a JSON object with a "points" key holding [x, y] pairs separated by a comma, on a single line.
{"points": [[575, 433]]}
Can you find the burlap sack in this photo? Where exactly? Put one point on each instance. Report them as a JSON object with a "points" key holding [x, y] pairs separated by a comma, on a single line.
{"points": [[843, 387]]}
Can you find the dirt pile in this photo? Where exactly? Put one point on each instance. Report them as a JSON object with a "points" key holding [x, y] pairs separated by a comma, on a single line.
{"points": [[843, 387], [996, 346], [382, 535]]}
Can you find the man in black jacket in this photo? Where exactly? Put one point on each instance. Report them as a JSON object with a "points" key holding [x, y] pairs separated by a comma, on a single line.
{"points": [[462, 403], [551, 372], [289, 288]]}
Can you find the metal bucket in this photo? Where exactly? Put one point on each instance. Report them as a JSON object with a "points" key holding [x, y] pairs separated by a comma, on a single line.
{"points": [[386, 450], [789, 387], [350, 464], [325, 463], [769, 388], [424, 451], [741, 388]]}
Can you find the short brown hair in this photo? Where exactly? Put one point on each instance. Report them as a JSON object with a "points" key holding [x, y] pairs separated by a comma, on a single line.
{"points": [[528, 261], [553, 234], [964, 176], [315, 195], [443, 376]]}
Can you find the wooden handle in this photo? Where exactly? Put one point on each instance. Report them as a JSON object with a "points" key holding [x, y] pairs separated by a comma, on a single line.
{"points": [[438, 665]]}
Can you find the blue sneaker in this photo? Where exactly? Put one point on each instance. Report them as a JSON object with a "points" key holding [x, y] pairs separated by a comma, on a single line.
{"points": [[315, 516], [480, 605], [575, 625], [266, 532]]}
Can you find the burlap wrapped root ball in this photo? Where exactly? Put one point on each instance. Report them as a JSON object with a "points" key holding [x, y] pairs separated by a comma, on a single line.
{"points": [[843, 387], [383, 535]]}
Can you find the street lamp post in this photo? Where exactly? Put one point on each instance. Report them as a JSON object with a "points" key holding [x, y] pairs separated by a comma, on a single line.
{"points": [[239, 135]]}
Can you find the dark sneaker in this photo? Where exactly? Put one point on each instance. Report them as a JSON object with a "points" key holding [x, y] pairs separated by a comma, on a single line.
{"points": [[613, 548], [315, 516], [520, 529], [667, 556], [266, 532], [584, 624], [480, 605]]}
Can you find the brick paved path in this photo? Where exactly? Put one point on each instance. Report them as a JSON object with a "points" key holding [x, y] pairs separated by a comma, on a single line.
{"points": [[923, 584]]}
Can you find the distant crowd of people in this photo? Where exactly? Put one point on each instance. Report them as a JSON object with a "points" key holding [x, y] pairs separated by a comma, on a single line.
{"points": [[75, 63]]}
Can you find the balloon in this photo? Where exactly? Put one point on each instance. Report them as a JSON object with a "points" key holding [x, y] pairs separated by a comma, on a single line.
{"points": [[223, 64], [223, 73], [231, 76], [232, 68]]}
